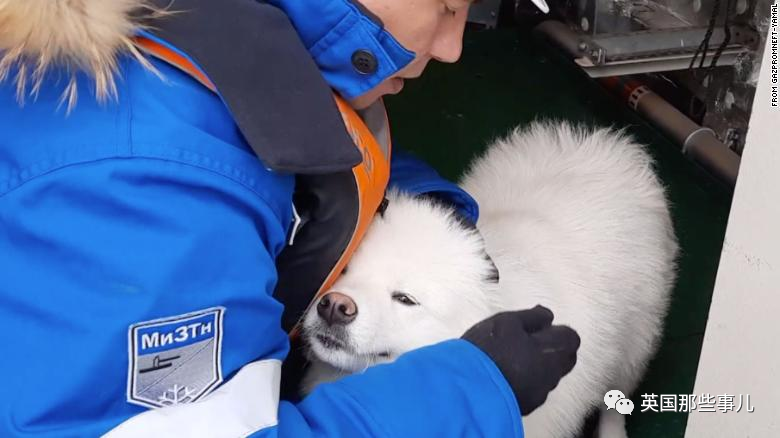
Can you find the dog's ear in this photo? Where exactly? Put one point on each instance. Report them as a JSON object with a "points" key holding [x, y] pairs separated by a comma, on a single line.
{"points": [[492, 275], [441, 202], [466, 224]]}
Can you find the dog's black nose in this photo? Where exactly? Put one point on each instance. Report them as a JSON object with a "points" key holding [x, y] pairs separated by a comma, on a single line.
{"points": [[337, 308]]}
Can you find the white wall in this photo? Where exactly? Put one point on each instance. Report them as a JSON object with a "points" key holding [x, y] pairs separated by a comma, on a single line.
{"points": [[741, 353]]}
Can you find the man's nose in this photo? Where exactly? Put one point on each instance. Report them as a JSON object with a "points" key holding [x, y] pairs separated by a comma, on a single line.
{"points": [[337, 308], [448, 44]]}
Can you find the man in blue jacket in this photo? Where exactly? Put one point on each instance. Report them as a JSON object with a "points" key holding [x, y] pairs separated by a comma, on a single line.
{"points": [[147, 209]]}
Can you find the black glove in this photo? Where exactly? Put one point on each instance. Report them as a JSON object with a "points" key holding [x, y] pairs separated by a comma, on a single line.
{"points": [[532, 354]]}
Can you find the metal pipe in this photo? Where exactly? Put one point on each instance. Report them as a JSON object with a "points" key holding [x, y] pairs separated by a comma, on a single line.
{"points": [[697, 143]]}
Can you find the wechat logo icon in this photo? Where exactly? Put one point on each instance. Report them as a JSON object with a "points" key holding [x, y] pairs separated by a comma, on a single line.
{"points": [[616, 400]]}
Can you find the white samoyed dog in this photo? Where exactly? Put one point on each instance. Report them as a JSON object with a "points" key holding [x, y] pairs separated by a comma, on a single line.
{"points": [[573, 219]]}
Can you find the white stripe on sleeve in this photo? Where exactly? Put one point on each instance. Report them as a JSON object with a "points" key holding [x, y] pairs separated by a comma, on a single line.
{"points": [[247, 403]]}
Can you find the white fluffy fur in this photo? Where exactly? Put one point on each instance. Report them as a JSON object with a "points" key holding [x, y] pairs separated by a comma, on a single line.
{"points": [[575, 220], [79, 35]]}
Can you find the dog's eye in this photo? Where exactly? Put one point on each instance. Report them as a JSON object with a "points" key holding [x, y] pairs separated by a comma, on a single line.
{"points": [[405, 299]]}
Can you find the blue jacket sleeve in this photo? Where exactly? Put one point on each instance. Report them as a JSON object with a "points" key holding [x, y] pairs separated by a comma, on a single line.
{"points": [[449, 389], [411, 175]]}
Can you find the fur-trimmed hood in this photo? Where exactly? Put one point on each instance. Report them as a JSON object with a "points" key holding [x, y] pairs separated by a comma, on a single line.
{"points": [[76, 35]]}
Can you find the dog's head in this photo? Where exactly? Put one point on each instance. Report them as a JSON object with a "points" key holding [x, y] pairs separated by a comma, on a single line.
{"points": [[420, 276]]}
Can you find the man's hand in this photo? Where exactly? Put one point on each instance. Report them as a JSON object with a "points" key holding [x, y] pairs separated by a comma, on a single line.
{"points": [[532, 354]]}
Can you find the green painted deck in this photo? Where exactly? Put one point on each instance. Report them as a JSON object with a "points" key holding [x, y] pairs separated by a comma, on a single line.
{"points": [[505, 79]]}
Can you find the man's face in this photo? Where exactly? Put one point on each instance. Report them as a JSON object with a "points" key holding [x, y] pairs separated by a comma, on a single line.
{"points": [[432, 29]]}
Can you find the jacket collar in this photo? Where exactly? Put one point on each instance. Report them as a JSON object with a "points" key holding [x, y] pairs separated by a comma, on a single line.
{"points": [[264, 74], [333, 31]]}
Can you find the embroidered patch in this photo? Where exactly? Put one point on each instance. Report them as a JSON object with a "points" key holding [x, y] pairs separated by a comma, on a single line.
{"points": [[175, 360]]}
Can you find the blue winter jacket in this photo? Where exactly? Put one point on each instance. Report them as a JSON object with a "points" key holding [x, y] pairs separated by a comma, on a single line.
{"points": [[137, 248]]}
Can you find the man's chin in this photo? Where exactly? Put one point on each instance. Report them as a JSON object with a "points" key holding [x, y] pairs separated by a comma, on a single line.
{"points": [[389, 86], [362, 102]]}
